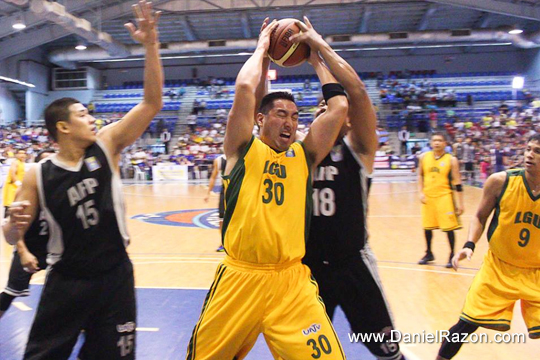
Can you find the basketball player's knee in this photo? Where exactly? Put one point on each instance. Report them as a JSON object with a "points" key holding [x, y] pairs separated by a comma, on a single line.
{"points": [[5, 301], [450, 348]]}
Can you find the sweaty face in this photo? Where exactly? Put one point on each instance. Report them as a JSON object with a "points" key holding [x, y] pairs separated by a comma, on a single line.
{"points": [[278, 127], [81, 124], [438, 143], [532, 156]]}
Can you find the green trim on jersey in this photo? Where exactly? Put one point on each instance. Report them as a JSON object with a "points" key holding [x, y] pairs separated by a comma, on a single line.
{"points": [[309, 195], [235, 179], [529, 191], [495, 221]]}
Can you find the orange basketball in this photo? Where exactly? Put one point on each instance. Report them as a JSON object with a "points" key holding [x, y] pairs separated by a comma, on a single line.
{"points": [[282, 51]]}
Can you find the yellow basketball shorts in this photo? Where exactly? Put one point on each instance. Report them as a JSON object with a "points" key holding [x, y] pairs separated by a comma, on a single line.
{"points": [[279, 301], [495, 290], [440, 213]]}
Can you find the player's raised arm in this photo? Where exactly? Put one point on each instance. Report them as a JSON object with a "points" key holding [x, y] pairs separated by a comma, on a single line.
{"points": [[325, 129], [361, 115], [492, 190], [135, 122], [241, 117]]}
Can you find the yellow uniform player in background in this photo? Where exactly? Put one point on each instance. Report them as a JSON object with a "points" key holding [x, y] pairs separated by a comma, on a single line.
{"points": [[511, 268], [438, 175], [14, 178], [262, 286]]}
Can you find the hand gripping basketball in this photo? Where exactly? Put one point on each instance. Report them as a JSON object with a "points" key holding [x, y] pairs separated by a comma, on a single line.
{"points": [[308, 35]]}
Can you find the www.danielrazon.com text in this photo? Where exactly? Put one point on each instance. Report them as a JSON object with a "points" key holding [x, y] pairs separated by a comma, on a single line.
{"points": [[439, 336]]}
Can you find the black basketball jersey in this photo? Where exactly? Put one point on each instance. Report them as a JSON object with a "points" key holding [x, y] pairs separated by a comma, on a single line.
{"points": [[338, 226], [37, 236], [84, 208], [223, 164]]}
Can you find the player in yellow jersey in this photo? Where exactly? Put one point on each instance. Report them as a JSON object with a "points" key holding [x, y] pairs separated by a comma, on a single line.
{"points": [[14, 178], [262, 286], [438, 174], [511, 268]]}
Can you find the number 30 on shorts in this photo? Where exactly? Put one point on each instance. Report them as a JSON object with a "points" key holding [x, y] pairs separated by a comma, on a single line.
{"points": [[323, 346]]}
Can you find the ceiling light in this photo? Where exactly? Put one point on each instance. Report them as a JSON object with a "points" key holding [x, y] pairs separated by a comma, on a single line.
{"points": [[15, 81], [81, 47], [19, 23], [518, 82], [515, 31]]}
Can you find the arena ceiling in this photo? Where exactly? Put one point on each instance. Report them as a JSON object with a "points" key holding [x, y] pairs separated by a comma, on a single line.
{"points": [[193, 21]]}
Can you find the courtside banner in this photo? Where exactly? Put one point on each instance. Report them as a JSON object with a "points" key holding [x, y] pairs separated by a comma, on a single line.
{"points": [[162, 172]]}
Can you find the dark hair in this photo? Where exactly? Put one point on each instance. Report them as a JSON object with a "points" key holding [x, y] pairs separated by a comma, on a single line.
{"points": [[39, 155], [535, 137], [57, 111], [267, 102], [438, 134]]}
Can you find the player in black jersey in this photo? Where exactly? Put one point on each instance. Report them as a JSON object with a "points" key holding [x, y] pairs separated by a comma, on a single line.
{"points": [[337, 250], [29, 256], [90, 284]]}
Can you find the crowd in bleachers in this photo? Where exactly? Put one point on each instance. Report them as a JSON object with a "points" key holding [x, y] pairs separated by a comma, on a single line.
{"points": [[31, 139], [497, 141]]}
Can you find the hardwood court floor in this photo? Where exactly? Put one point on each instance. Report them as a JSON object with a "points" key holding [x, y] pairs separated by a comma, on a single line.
{"points": [[423, 299]]}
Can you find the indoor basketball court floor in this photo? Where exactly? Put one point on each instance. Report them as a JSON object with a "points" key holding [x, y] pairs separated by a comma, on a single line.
{"points": [[174, 237]]}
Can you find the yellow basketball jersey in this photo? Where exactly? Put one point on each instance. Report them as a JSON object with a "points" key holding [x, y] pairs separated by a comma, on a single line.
{"points": [[267, 205], [437, 174], [514, 232], [9, 187]]}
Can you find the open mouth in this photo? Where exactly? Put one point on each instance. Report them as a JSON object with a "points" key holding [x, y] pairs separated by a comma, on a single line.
{"points": [[285, 135]]}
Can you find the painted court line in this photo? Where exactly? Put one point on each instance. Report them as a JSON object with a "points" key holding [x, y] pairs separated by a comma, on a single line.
{"points": [[147, 329], [426, 270], [22, 306]]}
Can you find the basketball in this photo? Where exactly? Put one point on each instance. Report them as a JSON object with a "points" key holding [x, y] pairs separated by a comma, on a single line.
{"points": [[282, 51]]}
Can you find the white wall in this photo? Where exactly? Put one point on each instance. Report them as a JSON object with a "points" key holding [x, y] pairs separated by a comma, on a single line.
{"points": [[84, 96], [93, 78], [532, 79], [9, 109]]}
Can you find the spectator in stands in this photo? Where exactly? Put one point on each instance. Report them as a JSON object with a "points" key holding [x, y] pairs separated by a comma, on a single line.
{"points": [[403, 136], [192, 121], [165, 138], [171, 93], [202, 106], [457, 148], [221, 115], [160, 125], [469, 151], [498, 158], [433, 118]]}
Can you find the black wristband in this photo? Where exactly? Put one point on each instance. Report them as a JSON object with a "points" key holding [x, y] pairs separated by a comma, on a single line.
{"points": [[331, 90], [459, 188], [469, 245]]}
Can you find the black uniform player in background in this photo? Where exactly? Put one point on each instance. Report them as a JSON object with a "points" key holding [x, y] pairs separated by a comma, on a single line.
{"points": [[29, 256], [90, 284], [337, 250]]}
